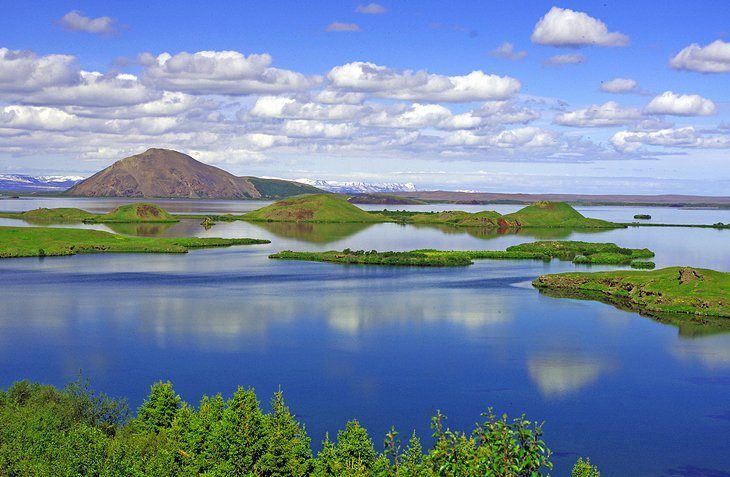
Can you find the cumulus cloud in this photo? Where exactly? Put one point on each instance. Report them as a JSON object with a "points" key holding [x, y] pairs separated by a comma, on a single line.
{"points": [[713, 58], [504, 112], [527, 137], [420, 85], [23, 71], [565, 27], [608, 114], [279, 107], [620, 85], [680, 105], [371, 9], [306, 128], [687, 137], [566, 59], [507, 51], [76, 21], [342, 27], [221, 72]]}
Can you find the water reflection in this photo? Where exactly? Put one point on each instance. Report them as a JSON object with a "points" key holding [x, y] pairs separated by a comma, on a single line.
{"points": [[310, 232], [560, 374], [140, 229], [712, 352]]}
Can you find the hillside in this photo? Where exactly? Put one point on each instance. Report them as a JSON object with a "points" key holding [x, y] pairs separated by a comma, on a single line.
{"points": [[167, 173], [134, 213], [313, 208], [552, 214]]}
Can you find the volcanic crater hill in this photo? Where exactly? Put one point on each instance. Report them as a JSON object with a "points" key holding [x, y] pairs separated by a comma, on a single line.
{"points": [[168, 173]]}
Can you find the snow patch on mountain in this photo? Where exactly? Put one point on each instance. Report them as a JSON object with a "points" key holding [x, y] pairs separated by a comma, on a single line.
{"points": [[22, 182], [359, 187]]}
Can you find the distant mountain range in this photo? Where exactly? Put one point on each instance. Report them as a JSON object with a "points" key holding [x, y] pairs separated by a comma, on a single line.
{"points": [[359, 187], [168, 173], [26, 183]]}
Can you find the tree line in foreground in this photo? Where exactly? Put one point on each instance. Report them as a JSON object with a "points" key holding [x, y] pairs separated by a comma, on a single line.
{"points": [[76, 431]]}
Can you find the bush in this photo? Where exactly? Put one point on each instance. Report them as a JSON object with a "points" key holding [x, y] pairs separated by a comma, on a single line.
{"points": [[583, 468]]}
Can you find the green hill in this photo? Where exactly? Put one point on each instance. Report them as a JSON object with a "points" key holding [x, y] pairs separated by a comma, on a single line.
{"points": [[552, 214], [138, 212], [313, 208], [51, 216]]}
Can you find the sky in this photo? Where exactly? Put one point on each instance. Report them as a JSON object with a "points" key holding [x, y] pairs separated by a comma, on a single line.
{"points": [[520, 96]]}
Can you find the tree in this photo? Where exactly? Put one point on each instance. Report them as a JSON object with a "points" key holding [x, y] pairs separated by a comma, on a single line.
{"points": [[239, 438], [159, 409], [584, 468], [355, 450], [287, 445]]}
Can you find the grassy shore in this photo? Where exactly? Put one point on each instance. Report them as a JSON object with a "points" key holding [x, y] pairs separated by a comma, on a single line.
{"points": [[45, 241], [699, 295], [577, 252]]}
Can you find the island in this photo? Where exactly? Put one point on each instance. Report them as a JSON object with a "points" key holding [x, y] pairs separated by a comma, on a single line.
{"points": [[677, 294], [577, 252], [138, 212], [51, 241], [642, 217], [332, 208]]}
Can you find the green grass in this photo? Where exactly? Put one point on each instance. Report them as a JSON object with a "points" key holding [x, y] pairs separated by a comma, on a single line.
{"points": [[336, 209], [675, 290], [578, 252], [322, 208], [51, 216], [587, 252], [45, 241], [554, 214], [137, 212]]}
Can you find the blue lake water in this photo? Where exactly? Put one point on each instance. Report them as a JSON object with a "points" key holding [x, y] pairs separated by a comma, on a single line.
{"points": [[386, 345]]}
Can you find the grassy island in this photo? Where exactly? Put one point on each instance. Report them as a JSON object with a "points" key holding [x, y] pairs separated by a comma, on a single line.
{"points": [[336, 209], [700, 295], [135, 213], [46, 241], [323, 208], [124, 214], [577, 252], [642, 217]]}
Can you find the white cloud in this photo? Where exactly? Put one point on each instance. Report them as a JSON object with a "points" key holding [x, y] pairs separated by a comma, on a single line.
{"points": [[75, 21], [94, 89], [527, 137], [504, 112], [221, 72], [507, 51], [421, 85], [279, 107], [713, 58], [301, 128], [23, 71], [608, 114], [620, 85], [36, 118], [343, 27], [680, 105], [687, 137], [566, 59], [371, 9], [565, 27]]}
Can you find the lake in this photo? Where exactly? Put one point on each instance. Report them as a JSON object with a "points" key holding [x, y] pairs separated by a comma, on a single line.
{"points": [[388, 346]]}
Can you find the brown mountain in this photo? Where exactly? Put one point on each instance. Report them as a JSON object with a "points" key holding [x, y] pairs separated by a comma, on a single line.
{"points": [[167, 173]]}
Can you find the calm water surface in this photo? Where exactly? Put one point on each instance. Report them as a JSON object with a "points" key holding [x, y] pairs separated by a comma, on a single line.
{"points": [[385, 345]]}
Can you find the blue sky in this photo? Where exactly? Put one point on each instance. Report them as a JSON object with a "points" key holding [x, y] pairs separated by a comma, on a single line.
{"points": [[423, 92]]}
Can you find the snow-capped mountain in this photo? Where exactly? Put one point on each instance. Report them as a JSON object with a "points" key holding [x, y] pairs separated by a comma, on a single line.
{"points": [[359, 187], [25, 183]]}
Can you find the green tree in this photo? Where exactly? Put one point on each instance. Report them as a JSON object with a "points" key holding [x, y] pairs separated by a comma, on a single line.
{"points": [[239, 438], [584, 468], [288, 453], [355, 451], [159, 409]]}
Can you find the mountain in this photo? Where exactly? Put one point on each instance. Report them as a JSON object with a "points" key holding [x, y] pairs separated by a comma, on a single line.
{"points": [[167, 173], [358, 187], [25, 183]]}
